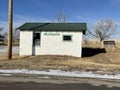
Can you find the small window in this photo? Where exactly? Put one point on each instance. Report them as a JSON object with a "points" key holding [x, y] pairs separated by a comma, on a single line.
{"points": [[67, 38], [36, 39]]}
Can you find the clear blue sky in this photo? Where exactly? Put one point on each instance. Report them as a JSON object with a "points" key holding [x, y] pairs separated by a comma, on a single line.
{"points": [[45, 10]]}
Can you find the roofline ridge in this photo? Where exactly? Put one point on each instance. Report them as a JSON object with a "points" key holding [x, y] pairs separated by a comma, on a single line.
{"points": [[55, 23]]}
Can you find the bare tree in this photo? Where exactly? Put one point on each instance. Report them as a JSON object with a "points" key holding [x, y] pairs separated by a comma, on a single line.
{"points": [[1, 36], [5, 35], [15, 36], [104, 29], [1, 28], [61, 17]]}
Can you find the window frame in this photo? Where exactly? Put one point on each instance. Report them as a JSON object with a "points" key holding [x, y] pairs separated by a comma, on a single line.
{"points": [[71, 38]]}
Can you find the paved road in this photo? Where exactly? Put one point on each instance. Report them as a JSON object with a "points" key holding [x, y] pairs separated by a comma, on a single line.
{"points": [[47, 84]]}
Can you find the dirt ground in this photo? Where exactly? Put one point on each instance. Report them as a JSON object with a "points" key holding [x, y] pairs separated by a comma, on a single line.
{"points": [[107, 62]]}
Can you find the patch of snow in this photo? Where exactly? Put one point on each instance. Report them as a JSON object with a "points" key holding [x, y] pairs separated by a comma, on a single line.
{"points": [[3, 50], [62, 73], [45, 77], [5, 74]]}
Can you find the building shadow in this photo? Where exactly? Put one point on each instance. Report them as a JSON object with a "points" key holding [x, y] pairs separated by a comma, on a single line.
{"points": [[87, 52]]}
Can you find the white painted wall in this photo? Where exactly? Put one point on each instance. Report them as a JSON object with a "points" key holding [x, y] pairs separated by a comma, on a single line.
{"points": [[51, 45], [26, 38]]}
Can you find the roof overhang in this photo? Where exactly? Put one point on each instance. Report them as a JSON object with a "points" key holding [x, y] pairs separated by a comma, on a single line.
{"points": [[64, 27]]}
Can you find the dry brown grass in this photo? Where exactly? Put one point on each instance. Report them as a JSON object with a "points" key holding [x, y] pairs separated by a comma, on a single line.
{"points": [[97, 43], [107, 62]]}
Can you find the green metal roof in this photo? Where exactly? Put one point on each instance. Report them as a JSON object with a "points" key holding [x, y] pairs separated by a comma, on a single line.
{"points": [[54, 27]]}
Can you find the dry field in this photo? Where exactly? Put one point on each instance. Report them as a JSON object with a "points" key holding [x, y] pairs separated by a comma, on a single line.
{"points": [[108, 62], [94, 59], [95, 43]]}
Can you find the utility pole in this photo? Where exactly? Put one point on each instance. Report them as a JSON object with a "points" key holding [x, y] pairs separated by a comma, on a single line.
{"points": [[10, 23]]}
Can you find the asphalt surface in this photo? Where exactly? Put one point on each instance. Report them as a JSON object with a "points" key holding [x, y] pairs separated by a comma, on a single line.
{"points": [[51, 86], [10, 83]]}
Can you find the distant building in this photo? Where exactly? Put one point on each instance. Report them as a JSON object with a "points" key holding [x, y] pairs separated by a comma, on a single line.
{"points": [[109, 44], [1, 38], [52, 38]]}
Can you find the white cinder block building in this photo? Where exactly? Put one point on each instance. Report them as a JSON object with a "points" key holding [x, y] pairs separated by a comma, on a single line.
{"points": [[52, 38]]}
